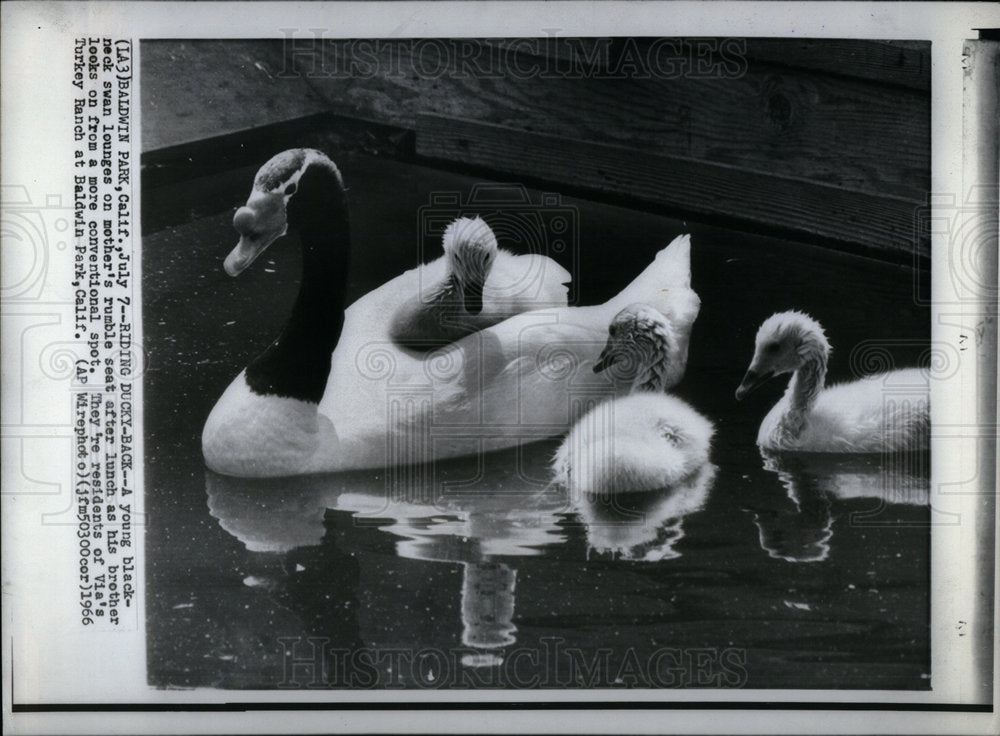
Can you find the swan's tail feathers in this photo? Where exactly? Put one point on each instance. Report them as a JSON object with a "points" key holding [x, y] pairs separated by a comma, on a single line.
{"points": [[674, 262], [665, 280]]}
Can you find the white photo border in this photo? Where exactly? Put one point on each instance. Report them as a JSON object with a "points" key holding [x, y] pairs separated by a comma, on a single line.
{"points": [[55, 684]]}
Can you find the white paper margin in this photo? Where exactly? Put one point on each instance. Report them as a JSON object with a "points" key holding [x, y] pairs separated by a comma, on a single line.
{"points": [[54, 658]]}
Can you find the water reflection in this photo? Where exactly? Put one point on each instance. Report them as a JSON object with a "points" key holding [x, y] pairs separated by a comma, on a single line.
{"points": [[798, 527], [479, 513], [643, 526], [298, 565], [484, 514], [474, 528], [317, 545], [269, 514]]}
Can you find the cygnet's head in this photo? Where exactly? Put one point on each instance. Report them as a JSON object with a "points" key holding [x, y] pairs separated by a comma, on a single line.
{"points": [[785, 341], [639, 337], [266, 217], [470, 247]]}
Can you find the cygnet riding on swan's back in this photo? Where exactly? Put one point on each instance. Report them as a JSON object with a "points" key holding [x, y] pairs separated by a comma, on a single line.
{"points": [[302, 407], [648, 440], [881, 413], [473, 286]]}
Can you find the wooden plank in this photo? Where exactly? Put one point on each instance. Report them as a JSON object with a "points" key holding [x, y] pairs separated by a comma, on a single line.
{"points": [[903, 63], [254, 145], [200, 89], [211, 158], [825, 128], [882, 223]]}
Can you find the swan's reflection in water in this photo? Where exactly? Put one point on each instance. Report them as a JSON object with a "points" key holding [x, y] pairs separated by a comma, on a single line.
{"points": [[478, 523], [481, 530], [799, 526], [643, 526], [296, 563], [269, 514], [484, 524]]}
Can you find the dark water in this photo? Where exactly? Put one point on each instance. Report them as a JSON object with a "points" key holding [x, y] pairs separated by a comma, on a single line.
{"points": [[807, 572]]}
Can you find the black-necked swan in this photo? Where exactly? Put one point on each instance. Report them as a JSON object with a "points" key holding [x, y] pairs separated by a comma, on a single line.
{"points": [[515, 382], [645, 441], [474, 285], [888, 412]]}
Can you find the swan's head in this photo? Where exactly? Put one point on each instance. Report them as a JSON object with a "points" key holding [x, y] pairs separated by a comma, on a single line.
{"points": [[639, 337], [470, 247], [785, 341], [264, 218]]}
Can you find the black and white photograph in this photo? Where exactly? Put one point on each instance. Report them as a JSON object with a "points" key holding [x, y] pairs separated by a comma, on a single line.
{"points": [[528, 363], [518, 365]]}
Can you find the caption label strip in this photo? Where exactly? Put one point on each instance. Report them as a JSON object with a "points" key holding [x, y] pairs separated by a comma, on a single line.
{"points": [[102, 287]]}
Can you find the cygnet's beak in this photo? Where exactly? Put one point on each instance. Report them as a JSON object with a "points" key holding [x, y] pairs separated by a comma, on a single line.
{"points": [[751, 381], [472, 298], [608, 358]]}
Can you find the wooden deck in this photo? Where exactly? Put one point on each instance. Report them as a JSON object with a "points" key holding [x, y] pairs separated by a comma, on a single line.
{"points": [[824, 141]]}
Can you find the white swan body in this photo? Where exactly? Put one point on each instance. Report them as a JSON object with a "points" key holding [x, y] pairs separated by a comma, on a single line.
{"points": [[888, 412], [474, 285], [296, 410], [524, 379], [641, 442]]}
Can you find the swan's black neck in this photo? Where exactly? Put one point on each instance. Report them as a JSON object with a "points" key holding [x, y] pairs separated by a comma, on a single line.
{"points": [[297, 364]]}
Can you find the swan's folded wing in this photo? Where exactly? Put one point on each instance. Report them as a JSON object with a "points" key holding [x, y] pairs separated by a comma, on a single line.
{"points": [[533, 377], [524, 283], [554, 279]]}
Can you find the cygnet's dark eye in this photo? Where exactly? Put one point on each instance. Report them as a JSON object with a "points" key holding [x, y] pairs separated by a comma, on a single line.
{"points": [[771, 347], [291, 189]]}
